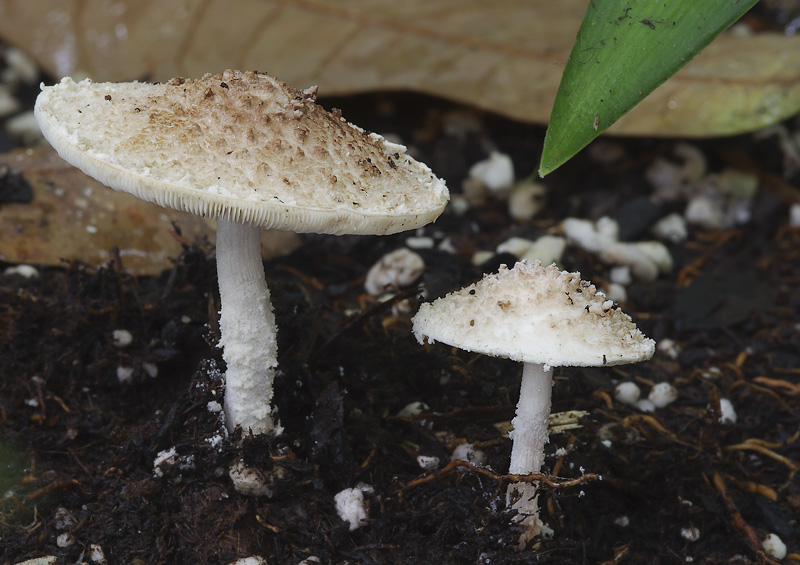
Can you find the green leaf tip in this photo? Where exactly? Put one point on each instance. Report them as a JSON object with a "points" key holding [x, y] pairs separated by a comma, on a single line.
{"points": [[623, 51]]}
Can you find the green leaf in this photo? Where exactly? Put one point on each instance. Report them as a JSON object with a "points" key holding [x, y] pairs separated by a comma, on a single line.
{"points": [[624, 50]]}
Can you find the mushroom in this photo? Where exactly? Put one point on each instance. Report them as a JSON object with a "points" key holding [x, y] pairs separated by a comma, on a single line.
{"points": [[543, 318], [252, 152]]}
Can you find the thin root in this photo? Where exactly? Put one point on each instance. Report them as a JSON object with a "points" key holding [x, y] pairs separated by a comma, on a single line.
{"points": [[51, 487], [747, 532], [552, 482]]}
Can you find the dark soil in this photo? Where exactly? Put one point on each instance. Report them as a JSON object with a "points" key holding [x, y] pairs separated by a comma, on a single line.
{"points": [[79, 446]]}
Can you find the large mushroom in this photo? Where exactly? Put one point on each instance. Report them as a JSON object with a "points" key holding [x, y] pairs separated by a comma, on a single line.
{"points": [[252, 152], [543, 318]]}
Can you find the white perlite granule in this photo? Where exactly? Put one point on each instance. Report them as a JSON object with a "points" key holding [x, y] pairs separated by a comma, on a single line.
{"points": [[727, 411], [350, 505], [774, 546], [427, 462], [663, 394], [468, 452], [627, 392]]}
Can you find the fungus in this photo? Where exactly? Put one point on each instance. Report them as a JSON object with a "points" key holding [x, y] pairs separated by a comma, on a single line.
{"points": [[544, 318], [252, 152]]}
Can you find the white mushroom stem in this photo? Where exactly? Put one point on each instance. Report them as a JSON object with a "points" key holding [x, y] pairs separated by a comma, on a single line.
{"points": [[247, 325], [528, 438]]}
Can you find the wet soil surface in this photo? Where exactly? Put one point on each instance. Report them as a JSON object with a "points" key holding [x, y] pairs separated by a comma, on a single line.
{"points": [[671, 486]]}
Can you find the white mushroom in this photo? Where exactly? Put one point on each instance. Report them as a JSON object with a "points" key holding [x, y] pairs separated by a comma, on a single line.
{"points": [[244, 148], [543, 318]]}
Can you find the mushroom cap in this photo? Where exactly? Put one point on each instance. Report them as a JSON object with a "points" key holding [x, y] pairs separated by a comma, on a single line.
{"points": [[240, 145], [535, 314]]}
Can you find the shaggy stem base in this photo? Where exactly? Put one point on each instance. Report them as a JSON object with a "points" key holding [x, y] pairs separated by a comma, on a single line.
{"points": [[247, 325]]}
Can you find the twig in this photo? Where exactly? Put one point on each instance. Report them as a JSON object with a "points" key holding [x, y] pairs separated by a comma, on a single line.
{"points": [[373, 546], [175, 231], [756, 488], [760, 447], [604, 397], [60, 401], [51, 487], [272, 528], [781, 402], [552, 482], [747, 532], [651, 421], [791, 389]]}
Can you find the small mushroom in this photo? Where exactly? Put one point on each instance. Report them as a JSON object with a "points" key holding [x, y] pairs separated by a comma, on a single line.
{"points": [[543, 318], [252, 152]]}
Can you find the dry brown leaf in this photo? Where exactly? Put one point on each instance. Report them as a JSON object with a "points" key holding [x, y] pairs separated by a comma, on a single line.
{"points": [[72, 216], [505, 57]]}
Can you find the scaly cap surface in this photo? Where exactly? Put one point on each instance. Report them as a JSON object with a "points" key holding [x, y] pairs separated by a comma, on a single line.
{"points": [[535, 314], [242, 145]]}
